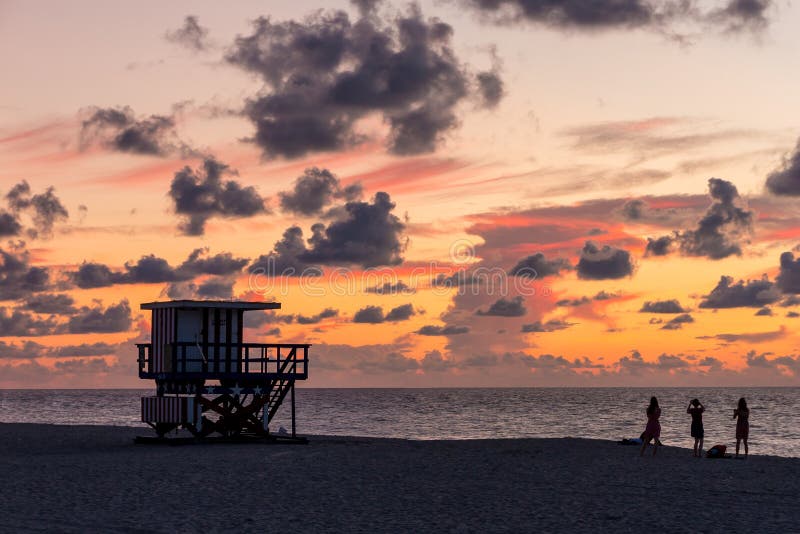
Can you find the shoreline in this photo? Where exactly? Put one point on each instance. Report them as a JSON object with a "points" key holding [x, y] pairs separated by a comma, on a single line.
{"points": [[70, 478]]}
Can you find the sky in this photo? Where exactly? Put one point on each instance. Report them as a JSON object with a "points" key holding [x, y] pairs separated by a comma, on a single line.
{"points": [[456, 193]]}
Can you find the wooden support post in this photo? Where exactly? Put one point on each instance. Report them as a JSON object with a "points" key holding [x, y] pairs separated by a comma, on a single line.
{"points": [[293, 421]]}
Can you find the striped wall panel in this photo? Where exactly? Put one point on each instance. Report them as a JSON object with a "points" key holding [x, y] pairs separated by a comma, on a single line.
{"points": [[170, 410], [163, 333]]}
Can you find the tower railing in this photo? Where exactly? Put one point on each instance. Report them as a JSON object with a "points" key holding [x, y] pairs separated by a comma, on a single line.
{"points": [[224, 360]]}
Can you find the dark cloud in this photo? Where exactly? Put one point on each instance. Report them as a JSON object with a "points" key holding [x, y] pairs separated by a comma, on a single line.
{"points": [[676, 323], [119, 129], [314, 190], [18, 279], [314, 319], [366, 234], [191, 35], [660, 246], [222, 264], [86, 349], [600, 296], [150, 269], [369, 235], [461, 278], [19, 323], [490, 85], [740, 15], [786, 179], [369, 315], [326, 72], [400, 313], [19, 351], [374, 314], [58, 304], [755, 337], [604, 263], [447, 330], [634, 210], [216, 288], [115, 318], [90, 275], [718, 233], [514, 307], [9, 224], [550, 326], [391, 288], [536, 266], [662, 306], [199, 195], [571, 14], [788, 279], [792, 314], [791, 300], [750, 293], [284, 260], [45, 210], [765, 311]]}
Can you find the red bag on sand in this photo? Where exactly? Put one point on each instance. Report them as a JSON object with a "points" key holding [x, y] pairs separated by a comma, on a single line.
{"points": [[717, 451]]}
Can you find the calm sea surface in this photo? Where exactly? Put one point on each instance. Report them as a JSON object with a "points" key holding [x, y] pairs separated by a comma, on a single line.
{"points": [[604, 413]]}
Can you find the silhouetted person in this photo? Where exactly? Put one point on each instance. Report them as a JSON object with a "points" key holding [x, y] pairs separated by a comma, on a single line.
{"points": [[696, 410], [742, 416], [653, 428]]}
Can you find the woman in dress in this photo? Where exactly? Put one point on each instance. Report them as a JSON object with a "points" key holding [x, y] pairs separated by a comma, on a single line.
{"points": [[696, 410], [653, 428], [742, 416]]}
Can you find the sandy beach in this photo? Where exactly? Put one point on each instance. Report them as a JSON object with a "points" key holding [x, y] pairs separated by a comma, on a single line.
{"points": [[90, 478]]}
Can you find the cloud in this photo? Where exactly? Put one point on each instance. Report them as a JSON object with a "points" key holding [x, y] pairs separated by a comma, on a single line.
{"points": [[718, 233], [447, 330], [662, 306], [740, 15], [191, 35], [572, 14], [199, 195], [514, 307], [314, 190], [326, 72], [755, 337], [45, 210], [750, 293], [550, 326], [120, 130], [50, 303], [374, 314], [604, 263], [491, 88], [216, 288], [115, 318], [18, 278], [785, 180], [314, 319], [150, 269], [764, 312], [19, 323], [368, 235], [391, 288], [536, 266], [676, 323], [9, 225], [400, 313], [788, 279]]}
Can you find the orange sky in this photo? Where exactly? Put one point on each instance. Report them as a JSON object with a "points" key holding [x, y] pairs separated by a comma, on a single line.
{"points": [[600, 137]]}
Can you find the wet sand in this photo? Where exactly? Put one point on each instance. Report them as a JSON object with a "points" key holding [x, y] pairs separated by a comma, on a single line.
{"points": [[90, 478]]}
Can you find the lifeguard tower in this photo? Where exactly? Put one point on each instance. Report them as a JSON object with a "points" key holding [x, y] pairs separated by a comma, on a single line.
{"points": [[208, 380]]}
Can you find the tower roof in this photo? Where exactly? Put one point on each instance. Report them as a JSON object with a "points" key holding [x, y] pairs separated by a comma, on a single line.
{"points": [[222, 304]]}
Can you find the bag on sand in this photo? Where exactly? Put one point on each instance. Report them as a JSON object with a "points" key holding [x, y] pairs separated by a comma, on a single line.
{"points": [[717, 451]]}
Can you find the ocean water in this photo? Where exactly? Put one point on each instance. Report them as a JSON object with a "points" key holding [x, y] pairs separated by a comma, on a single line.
{"points": [[603, 413]]}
